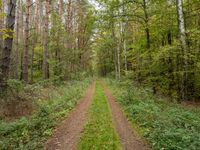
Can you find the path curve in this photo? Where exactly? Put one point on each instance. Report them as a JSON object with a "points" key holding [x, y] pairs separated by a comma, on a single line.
{"points": [[67, 135], [128, 137]]}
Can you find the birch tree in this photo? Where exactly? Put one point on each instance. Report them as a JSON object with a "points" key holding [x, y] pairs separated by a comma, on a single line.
{"points": [[182, 34]]}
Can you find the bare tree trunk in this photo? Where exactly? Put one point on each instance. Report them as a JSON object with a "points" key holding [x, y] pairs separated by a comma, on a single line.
{"points": [[1, 27], [60, 8], [26, 43], [125, 51], [146, 24], [17, 40], [184, 47], [45, 51], [115, 51], [35, 34], [21, 38], [118, 61], [8, 42]]}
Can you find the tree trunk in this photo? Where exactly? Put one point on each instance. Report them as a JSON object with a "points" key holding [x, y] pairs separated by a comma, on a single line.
{"points": [[35, 36], [119, 61], [8, 42], [1, 27], [45, 51], [184, 62], [26, 43], [146, 24], [17, 40]]}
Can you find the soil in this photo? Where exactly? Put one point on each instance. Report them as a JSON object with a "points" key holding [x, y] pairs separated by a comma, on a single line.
{"points": [[67, 135], [129, 138]]}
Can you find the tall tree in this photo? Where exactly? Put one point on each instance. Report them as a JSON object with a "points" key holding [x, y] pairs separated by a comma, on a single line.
{"points": [[45, 68], [26, 43], [8, 42], [17, 39], [184, 47]]}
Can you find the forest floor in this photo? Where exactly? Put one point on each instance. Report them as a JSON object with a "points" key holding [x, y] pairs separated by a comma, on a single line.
{"points": [[92, 125]]}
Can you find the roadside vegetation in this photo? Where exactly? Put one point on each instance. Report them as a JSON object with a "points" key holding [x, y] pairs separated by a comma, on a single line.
{"points": [[165, 125], [33, 131], [99, 132]]}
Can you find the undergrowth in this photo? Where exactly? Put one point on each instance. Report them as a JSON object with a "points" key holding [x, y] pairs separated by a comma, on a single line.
{"points": [[164, 124], [32, 132], [99, 132]]}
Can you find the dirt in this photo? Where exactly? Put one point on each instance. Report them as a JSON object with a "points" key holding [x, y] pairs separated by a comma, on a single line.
{"points": [[67, 135], [129, 138]]}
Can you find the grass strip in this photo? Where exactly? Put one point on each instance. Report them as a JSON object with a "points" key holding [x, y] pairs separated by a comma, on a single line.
{"points": [[99, 132]]}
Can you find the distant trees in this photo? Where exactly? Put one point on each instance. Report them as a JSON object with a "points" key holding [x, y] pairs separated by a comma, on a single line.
{"points": [[161, 48]]}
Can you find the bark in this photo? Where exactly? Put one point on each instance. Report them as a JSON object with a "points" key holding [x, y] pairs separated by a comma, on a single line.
{"points": [[125, 49], [35, 36], [21, 39], [1, 27], [8, 42], [17, 61], [60, 8], [146, 24], [115, 50], [26, 43], [119, 61], [46, 40], [184, 62]]}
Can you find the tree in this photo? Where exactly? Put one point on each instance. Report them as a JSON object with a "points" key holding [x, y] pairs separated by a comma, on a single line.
{"points": [[8, 42], [181, 23], [46, 41], [26, 43]]}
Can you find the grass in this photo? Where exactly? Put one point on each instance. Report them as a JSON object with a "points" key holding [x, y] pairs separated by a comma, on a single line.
{"points": [[31, 133], [99, 132], [163, 124]]}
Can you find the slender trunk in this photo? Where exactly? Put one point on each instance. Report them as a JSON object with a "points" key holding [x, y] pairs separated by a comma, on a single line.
{"points": [[26, 43], [45, 52], [118, 61], [1, 27], [8, 42], [146, 24], [184, 62], [17, 40], [35, 35], [21, 39], [115, 51]]}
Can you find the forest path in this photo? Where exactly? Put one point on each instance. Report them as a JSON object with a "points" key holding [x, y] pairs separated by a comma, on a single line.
{"points": [[128, 137], [67, 135]]}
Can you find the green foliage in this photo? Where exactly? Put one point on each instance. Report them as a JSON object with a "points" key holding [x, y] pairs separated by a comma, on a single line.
{"points": [[99, 132], [32, 132], [164, 124], [15, 85]]}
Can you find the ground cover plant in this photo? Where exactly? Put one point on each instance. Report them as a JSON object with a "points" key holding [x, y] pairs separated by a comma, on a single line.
{"points": [[165, 125], [33, 131]]}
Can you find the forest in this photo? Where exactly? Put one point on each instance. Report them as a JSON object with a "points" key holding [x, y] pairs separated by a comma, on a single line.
{"points": [[100, 74]]}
